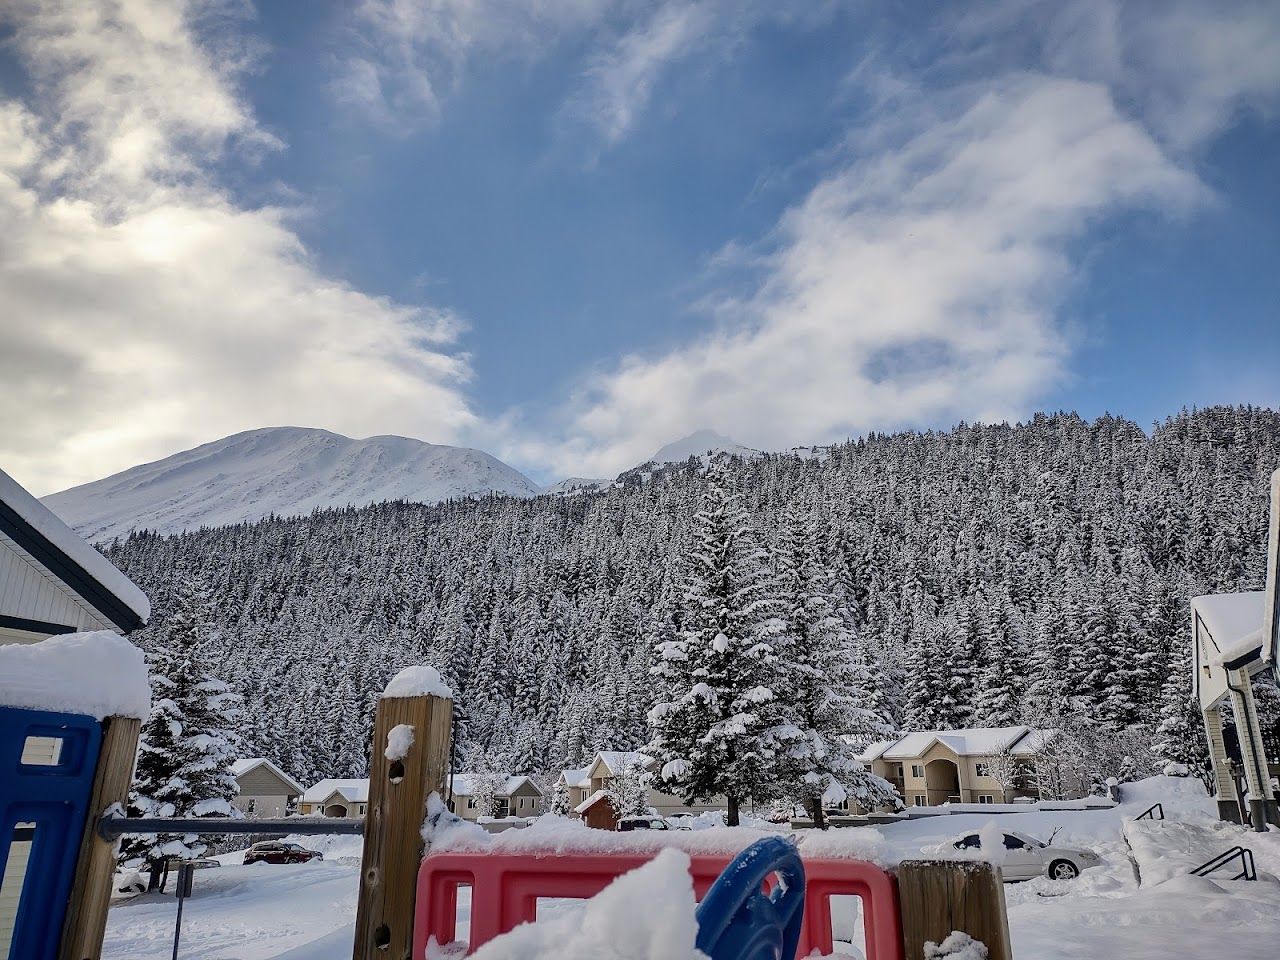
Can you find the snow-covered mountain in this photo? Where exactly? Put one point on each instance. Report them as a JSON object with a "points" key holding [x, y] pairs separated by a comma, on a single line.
{"points": [[573, 485], [697, 444], [279, 470]]}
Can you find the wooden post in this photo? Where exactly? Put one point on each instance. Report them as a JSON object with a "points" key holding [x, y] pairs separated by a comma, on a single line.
{"points": [[393, 845], [939, 896], [86, 919]]}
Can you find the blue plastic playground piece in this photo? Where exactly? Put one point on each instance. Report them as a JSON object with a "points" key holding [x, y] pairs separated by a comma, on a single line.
{"points": [[738, 921], [51, 802]]}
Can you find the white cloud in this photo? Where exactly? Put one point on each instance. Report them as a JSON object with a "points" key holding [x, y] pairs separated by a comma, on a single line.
{"points": [[914, 286], [144, 310]]}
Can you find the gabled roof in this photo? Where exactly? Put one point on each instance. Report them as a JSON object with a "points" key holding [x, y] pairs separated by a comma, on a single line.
{"points": [[86, 572], [874, 751], [591, 801], [355, 790], [240, 767], [1032, 743], [617, 760], [464, 785], [1235, 625], [576, 777], [976, 741]]}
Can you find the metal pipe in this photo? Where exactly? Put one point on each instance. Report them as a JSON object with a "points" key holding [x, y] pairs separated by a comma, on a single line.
{"points": [[111, 827], [1257, 774]]}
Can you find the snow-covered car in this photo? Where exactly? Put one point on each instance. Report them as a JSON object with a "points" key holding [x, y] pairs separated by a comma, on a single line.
{"points": [[1024, 857], [643, 823], [273, 851]]}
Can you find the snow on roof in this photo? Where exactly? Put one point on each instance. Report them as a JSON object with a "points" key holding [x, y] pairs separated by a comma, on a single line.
{"points": [[355, 790], [240, 767], [464, 784], [98, 674], [1234, 621], [617, 760], [576, 777], [874, 751], [591, 801], [979, 741], [64, 540], [417, 681], [1033, 742]]}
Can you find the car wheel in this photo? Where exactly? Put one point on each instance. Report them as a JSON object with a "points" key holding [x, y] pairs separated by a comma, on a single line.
{"points": [[1063, 870]]}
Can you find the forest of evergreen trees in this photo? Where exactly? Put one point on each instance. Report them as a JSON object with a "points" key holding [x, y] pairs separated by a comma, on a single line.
{"points": [[984, 575]]}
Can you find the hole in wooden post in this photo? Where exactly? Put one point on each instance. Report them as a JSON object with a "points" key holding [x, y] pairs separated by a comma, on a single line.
{"points": [[382, 937], [396, 773]]}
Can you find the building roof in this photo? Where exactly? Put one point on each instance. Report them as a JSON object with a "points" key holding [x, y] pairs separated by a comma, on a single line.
{"points": [[355, 790], [874, 751], [976, 741], [1235, 624], [240, 767], [577, 777], [464, 785], [1033, 742], [86, 572], [617, 760], [591, 801]]}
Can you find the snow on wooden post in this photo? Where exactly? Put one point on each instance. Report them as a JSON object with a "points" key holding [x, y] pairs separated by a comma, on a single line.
{"points": [[939, 897], [409, 761]]}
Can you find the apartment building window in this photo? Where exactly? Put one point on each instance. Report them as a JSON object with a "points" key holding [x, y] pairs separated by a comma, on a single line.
{"points": [[985, 798], [917, 770], [919, 801], [983, 769]]}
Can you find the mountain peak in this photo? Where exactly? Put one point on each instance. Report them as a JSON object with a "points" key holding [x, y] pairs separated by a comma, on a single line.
{"points": [[286, 471], [699, 443]]}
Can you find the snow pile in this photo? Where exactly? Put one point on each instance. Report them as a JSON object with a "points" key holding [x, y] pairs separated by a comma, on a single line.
{"points": [[957, 946], [613, 925], [417, 681], [399, 741], [1164, 849], [1183, 798], [98, 674]]}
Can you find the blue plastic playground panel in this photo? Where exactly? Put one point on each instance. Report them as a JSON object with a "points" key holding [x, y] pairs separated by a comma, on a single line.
{"points": [[47, 763], [737, 920]]}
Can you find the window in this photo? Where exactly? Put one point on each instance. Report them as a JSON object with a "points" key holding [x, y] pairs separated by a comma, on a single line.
{"points": [[471, 803], [919, 801], [985, 798], [917, 770], [971, 842], [251, 805], [982, 769], [1013, 843]]}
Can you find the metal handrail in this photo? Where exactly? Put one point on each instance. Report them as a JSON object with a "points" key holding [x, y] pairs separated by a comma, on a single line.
{"points": [[110, 827], [1248, 870], [1151, 811]]}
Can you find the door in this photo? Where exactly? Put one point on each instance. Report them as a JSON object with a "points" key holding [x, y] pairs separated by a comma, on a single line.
{"points": [[1021, 860]]}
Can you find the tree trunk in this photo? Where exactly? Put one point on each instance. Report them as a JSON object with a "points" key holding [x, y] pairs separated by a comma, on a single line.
{"points": [[731, 818], [816, 812]]}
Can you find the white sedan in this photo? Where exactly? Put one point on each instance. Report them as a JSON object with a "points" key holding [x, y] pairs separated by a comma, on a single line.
{"points": [[1026, 857]]}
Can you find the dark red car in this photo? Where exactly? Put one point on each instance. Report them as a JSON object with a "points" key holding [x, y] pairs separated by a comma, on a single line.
{"points": [[273, 851]]}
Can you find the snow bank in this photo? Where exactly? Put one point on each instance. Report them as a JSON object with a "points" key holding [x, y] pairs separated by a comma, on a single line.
{"points": [[417, 681], [647, 914], [98, 674], [1183, 798], [1164, 849]]}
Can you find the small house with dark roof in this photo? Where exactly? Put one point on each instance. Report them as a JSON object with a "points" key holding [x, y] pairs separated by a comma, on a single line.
{"points": [[52, 581]]}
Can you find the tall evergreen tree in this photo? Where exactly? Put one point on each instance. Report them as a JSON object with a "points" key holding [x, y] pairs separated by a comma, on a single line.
{"points": [[713, 732]]}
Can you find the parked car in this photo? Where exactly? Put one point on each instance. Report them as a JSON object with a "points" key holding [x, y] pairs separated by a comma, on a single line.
{"points": [[275, 851], [643, 823], [1026, 857]]}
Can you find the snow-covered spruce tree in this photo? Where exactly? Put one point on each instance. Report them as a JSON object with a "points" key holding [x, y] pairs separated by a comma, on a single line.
{"points": [[824, 688], [1179, 738], [560, 799], [188, 740], [629, 792], [712, 732]]}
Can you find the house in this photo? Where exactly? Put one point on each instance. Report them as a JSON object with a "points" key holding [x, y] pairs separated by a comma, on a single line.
{"points": [[52, 581], [980, 765], [590, 787], [336, 798], [265, 789], [516, 796]]}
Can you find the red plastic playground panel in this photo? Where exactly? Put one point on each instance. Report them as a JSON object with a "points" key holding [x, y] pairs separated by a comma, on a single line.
{"points": [[505, 889]]}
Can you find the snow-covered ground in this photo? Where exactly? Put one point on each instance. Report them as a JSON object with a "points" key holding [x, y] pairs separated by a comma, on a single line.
{"points": [[306, 912]]}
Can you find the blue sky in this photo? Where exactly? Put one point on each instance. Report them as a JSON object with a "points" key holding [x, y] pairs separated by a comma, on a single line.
{"points": [[571, 231]]}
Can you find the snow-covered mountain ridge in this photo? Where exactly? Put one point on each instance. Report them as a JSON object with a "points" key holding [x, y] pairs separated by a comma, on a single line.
{"points": [[286, 471]]}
